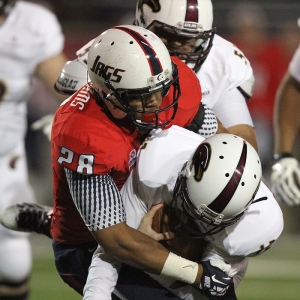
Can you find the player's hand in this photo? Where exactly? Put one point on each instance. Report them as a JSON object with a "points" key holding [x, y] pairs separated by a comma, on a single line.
{"points": [[44, 124], [216, 277], [146, 225], [285, 180]]}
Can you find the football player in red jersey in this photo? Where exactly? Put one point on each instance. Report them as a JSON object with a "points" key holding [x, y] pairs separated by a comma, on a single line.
{"points": [[134, 84]]}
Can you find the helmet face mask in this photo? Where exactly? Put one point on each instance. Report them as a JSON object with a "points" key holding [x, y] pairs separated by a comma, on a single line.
{"points": [[179, 21], [133, 103], [217, 186], [6, 6], [127, 66], [198, 43]]}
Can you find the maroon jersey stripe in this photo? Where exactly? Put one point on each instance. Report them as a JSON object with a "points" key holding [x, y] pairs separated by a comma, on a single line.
{"points": [[220, 203], [153, 61], [191, 14]]}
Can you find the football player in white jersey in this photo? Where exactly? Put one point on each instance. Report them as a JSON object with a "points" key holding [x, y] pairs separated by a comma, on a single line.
{"points": [[219, 185], [31, 44], [285, 177], [226, 76]]}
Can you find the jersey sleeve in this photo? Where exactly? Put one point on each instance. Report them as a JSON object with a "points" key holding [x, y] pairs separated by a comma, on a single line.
{"points": [[47, 29], [239, 70], [102, 277], [232, 109], [97, 200], [226, 77], [294, 66], [258, 229]]}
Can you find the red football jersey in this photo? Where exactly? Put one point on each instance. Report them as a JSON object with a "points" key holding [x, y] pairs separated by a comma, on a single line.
{"points": [[87, 141]]}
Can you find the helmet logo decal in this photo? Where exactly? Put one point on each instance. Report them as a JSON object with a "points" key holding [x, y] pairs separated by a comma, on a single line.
{"points": [[160, 77], [153, 61], [219, 204], [188, 25], [201, 160], [67, 82], [191, 14], [102, 70]]}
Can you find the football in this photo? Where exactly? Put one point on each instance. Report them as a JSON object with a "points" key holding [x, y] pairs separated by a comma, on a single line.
{"points": [[182, 245]]}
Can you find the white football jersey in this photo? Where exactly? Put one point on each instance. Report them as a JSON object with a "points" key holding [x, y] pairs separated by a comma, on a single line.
{"points": [[225, 70], [152, 181], [28, 36], [294, 66]]}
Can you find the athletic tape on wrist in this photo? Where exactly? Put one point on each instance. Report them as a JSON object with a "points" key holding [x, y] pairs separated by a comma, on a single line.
{"points": [[279, 156], [180, 268]]}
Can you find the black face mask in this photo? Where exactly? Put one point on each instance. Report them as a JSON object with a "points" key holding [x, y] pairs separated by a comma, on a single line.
{"points": [[6, 6], [150, 119]]}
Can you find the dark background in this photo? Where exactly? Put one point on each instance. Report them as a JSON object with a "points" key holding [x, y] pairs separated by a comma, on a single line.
{"points": [[82, 20]]}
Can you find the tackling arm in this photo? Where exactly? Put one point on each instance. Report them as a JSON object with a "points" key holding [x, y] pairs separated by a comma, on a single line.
{"points": [[118, 239]]}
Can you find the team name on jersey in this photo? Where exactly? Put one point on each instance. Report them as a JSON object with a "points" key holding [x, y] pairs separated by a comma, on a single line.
{"points": [[106, 71], [81, 98]]}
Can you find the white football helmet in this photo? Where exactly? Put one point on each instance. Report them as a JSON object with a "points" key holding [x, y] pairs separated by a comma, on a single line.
{"points": [[73, 76], [177, 20], [130, 62], [217, 184]]}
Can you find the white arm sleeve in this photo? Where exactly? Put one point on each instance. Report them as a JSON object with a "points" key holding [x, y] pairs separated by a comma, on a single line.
{"points": [[232, 109], [102, 278]]}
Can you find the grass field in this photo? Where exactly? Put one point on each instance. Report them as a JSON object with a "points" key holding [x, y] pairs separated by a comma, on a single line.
{"points": [[272, 276]]}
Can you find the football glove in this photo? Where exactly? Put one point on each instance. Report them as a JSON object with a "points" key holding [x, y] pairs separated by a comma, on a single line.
{"points": [[44, 124], [216, 277], [285, 180]]}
